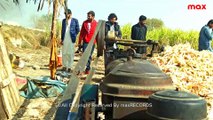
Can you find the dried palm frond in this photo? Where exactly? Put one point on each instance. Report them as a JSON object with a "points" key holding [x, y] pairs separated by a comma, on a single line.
{"points": [[40, 4]]}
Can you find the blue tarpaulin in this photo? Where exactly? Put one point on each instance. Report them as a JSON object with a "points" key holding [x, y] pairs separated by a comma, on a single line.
{"points": [[42, 87]]}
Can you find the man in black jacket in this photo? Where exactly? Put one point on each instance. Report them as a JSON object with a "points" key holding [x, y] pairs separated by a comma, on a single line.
{"points": [[139, 31], [112, 26], [112, 29]]}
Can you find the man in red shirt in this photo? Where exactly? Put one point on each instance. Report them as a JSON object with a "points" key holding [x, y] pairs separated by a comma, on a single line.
{"points": [[86, 33]]}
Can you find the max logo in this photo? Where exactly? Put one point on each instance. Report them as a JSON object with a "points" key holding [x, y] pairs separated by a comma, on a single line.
{"points": [[197, 7]]}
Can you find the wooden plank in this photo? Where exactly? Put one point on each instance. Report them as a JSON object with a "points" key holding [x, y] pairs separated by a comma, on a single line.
{"points": [[15, 90], [7, 81], [3, 113], [8, 87], [92, 71], [13, 101], [5, 102], [9, 100], [6, 60], [64, 106], [71, 87], [12, 94], [3, 73], [75, 102]]}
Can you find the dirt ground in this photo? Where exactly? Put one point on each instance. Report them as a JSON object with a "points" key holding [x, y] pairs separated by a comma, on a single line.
{"points": [[26, 44], [41, 108]]}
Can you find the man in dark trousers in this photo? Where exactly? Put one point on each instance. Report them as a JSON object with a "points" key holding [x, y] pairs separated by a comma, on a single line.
{"points": [[70, 29], [87, 31], [139, 31]]}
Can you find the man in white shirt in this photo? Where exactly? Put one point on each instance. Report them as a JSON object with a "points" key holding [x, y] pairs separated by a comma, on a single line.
{"points": [[70, 29]]}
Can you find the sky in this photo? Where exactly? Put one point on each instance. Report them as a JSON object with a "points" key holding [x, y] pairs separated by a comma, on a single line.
{"points": [[173, 13]]}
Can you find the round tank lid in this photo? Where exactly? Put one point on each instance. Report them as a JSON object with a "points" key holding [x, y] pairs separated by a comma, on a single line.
{"points": [[138, 67], [175, 94]]}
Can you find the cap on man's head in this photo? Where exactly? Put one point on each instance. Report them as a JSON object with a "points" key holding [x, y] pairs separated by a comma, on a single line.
{"points": [[68, 11], [142, 17]]}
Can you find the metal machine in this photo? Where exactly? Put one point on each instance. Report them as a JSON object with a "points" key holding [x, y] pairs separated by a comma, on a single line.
{"points": [[130, 79]]}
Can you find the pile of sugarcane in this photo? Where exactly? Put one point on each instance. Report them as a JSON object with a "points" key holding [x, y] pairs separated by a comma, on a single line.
{"points": [[190, 70]]}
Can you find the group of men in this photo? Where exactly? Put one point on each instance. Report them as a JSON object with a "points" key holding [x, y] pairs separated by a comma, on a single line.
{"points": [[70, 30]]}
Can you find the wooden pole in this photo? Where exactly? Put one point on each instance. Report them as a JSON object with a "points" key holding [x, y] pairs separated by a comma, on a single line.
{"points": [[53, 54]]}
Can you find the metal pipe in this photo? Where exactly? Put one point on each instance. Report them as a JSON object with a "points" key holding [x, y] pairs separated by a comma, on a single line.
{"points": [[128, 40]]}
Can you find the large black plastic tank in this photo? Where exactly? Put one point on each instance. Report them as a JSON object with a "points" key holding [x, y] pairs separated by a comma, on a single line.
{"points": [[131, 82], [177, 105]]}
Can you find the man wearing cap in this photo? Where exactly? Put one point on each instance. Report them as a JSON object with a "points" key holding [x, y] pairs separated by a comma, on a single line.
{"points": [[87, 31], [139, 31], [70, 29]]}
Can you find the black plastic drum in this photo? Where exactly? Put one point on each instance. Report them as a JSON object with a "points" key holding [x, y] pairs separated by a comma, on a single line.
{"points": [[177, 105]]}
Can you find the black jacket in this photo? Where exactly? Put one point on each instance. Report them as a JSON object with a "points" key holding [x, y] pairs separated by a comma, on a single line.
{"points": [[117, 29], [138, 32]]}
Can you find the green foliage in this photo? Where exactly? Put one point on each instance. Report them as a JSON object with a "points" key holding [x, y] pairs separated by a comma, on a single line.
{"points": [[44, 22], [166, 36], [126, 31], [171, 37], [154, 23]]}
